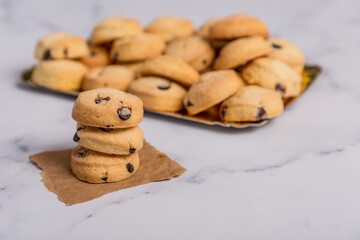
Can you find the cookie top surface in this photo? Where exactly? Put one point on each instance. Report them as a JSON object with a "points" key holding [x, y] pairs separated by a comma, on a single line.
{"points": [[240, 51], [111, 76], [252, 103], [97, 57], [115, 27], [170, 27], [137, 48], [169, 67], [191, 49], [273, 74], [122, 141], [61, 45], [286, 51], [107, 108], [237, 26], [158, 93], [212, 88]]}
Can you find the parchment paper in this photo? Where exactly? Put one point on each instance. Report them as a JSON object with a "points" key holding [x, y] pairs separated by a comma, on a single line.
{"points": [[58, 178]]}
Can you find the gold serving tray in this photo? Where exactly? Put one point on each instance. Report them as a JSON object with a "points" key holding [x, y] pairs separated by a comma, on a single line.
{"points": [[209, 117]]}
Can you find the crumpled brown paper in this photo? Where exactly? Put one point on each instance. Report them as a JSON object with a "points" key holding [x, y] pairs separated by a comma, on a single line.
{"points": [[58, 178]]}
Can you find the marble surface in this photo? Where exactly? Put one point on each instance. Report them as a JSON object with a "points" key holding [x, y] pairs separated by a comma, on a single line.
{"points": [[294, 178]]}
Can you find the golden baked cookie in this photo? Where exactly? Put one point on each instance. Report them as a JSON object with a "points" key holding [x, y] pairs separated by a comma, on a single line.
{"points": [[252, 103], [61, 45], [97, 57], [204, 30], [237, 26], [170, 27], [134, 66], [115, 27], [61, 74], [137, 48], [169, 67], [241, 51], [122, 141], [273, 74], [211, 89], [287, 52], [193, 50], [96, 167], [107, 108], [158, 93], [111, 76]]}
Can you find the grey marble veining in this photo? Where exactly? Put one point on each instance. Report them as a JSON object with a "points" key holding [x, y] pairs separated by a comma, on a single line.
{"points": [[295, 178]]}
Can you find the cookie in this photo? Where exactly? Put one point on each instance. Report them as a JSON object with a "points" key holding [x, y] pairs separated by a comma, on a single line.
{"points": [[113, 28], [158, 93], [121, 141], [194, 50], [287, 52], [137, 48], [61, 45], [273, 74], [218, 44], [237, 26], [169, 67], [97, 57], [252, 103], [111, 76], [211, 89], [96, 167], [107, 108], [134, 66], [204, 30], [170, 27], [241, 51], [65, 75]]}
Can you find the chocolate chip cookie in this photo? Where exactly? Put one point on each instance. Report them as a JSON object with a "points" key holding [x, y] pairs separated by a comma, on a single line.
{"points": [[158, 93], [212, 88], [107, 108], [252, 103], [273, 74], [111, 76], [96, 167]]}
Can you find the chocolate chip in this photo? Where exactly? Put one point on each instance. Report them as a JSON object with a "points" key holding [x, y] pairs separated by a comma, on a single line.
{"points": [[132, 150], [124, 113], [102, 100], [261, 113], [65, 52], [104, 178], [223, 112], [80, 128], [105, 84], [76, 137], [81, 153], [274, 45], [105, 130], [92, 53], [163, 87], [47, 55], [204, 61], [130, 167], [280, 88], [108, 126], [115, 59], [189, 104]]}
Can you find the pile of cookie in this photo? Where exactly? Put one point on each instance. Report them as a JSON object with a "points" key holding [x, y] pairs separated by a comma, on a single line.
{"points": [[229, 65], [107, 135]]}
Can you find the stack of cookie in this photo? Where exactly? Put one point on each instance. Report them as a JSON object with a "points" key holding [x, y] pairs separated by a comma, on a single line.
{"points": [[108, 136]]}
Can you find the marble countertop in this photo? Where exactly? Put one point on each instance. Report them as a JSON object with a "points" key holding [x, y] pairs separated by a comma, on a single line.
{"points": [[295, 178]]}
